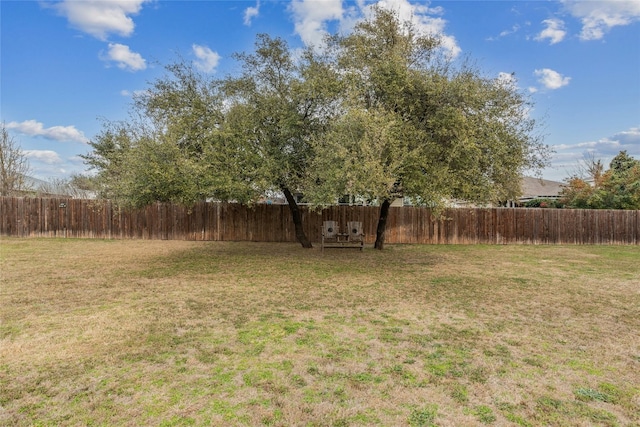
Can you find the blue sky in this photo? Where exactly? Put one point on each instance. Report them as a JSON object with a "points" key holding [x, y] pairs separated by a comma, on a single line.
{"points": [[65, 65]]}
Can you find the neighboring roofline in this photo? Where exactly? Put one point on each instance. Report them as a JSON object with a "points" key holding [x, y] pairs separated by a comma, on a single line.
{"points": [[538, 188]]}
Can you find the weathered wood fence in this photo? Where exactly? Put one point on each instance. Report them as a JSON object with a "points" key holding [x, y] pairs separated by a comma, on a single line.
{"points": [[56, 217]]}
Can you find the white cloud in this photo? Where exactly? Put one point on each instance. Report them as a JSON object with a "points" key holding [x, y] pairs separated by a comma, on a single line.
{"points": [[551, 79], [251, 12], [513, 30], [505, 33], [207, 59], [43, 156], [555, 31], [311, 17], [598, 17], [128, 93], [567, 156], [124, 57], [611, 145], [57, 133], [99, 18], [629, 138]]}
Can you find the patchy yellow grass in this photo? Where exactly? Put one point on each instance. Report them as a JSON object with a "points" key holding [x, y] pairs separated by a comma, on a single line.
{"points": [[167, 333]]}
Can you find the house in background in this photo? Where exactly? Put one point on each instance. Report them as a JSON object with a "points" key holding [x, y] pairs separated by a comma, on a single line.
{"points": [[532, 189], [537, 188], [55, 187]]}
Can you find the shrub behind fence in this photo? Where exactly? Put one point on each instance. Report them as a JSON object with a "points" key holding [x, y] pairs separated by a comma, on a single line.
{"points": [[60, 217]]}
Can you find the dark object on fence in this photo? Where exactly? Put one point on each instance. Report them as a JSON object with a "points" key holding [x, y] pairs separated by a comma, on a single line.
{"points": [[332, 238]]}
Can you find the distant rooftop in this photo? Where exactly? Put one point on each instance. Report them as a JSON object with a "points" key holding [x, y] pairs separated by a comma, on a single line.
{"points": [[536, 188]]}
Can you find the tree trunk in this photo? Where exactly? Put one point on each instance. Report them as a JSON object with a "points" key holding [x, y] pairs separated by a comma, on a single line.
{"points": [[297, 218], [382, 224]]}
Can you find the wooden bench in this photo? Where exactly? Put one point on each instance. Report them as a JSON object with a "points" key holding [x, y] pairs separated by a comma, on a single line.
{"points": [[333, 238]]}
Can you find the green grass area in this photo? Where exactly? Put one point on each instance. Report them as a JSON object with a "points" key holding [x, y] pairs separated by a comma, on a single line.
{"points": [[173, 333]]}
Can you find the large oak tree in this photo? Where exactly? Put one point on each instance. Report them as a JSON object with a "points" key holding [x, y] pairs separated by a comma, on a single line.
{"points": [[413, 125], [376, 113]]}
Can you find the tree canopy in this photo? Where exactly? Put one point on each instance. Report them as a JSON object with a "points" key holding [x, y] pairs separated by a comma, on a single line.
{"points": [[176, 147]]}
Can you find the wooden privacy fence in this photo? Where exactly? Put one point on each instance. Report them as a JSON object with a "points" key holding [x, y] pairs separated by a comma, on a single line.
{"points": [[56, 217]]}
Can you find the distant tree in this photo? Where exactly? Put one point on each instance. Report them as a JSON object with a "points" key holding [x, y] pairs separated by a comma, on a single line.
{"points": [[621, 183], [622, 164], [576, 193], [138, 165], [84, 183], [616, 188], [414, 126], [14, 165], [590, 169], [109, 151]]}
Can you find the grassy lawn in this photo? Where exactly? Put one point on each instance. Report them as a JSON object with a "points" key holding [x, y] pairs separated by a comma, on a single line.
{"points": [[170, 333]]}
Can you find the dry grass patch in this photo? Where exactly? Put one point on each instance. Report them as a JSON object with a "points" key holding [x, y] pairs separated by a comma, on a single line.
{"points": [[191, 333]]}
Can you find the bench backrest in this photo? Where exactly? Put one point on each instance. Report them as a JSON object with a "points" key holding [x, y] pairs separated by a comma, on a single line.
{"points": [[355, 230], [330, 229]]}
